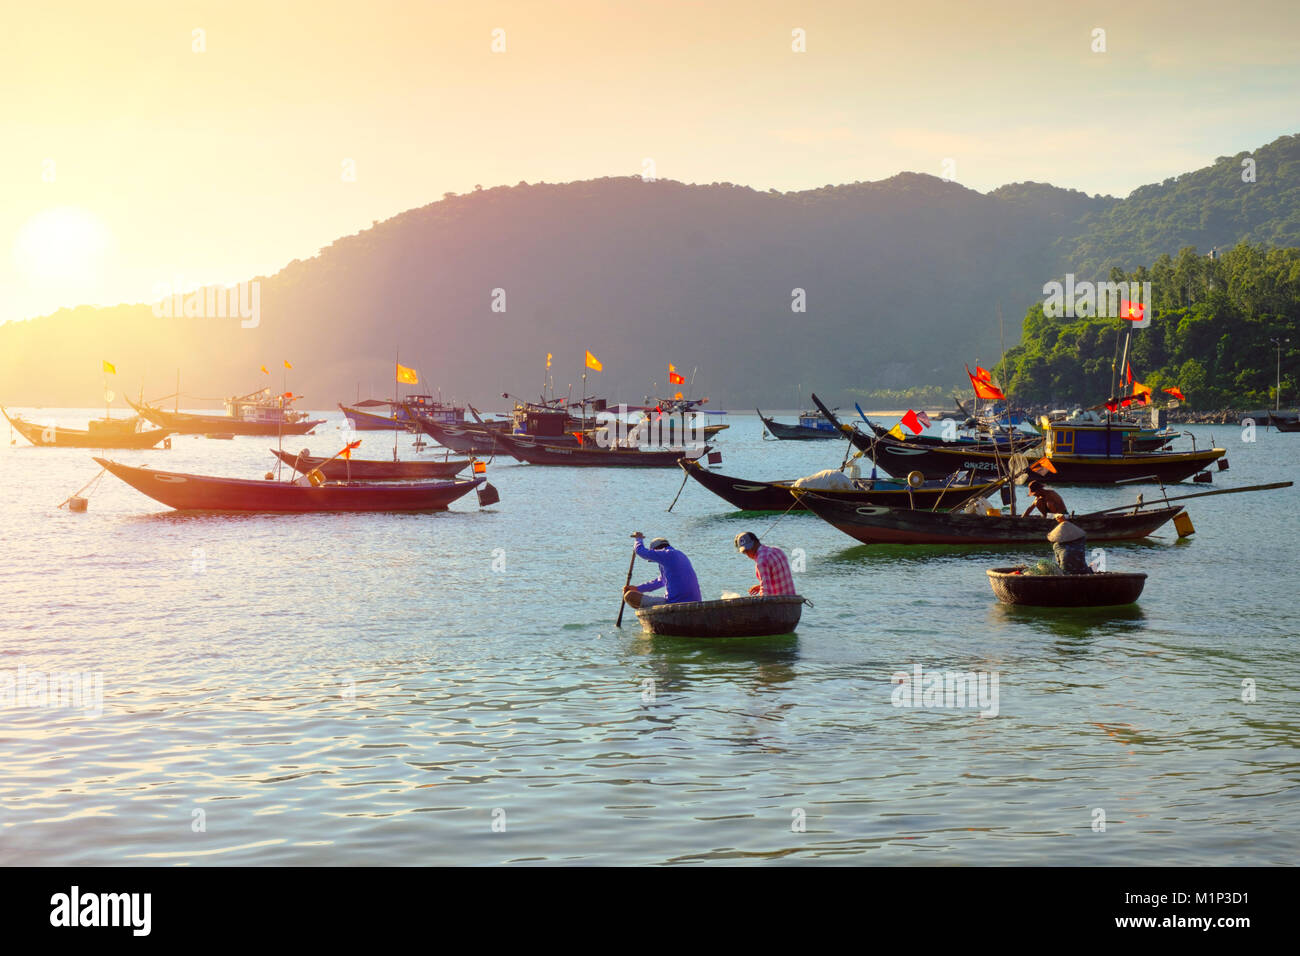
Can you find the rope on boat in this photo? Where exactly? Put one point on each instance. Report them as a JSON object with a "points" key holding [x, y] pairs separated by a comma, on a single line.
{"points": [[793, 505]]}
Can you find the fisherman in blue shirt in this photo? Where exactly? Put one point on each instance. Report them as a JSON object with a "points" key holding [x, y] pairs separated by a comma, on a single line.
{"points": [[675, 574]]}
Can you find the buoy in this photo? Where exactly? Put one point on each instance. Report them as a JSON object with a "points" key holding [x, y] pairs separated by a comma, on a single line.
{"points": [[77, 504], [1183, 524], [316, 478], [268, 477], [480, 467]]}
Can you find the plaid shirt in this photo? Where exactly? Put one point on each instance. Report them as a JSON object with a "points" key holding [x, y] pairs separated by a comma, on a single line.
{"points": [[773, 571]]}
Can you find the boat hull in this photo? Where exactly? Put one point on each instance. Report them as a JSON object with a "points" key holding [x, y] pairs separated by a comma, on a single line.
{"points": [[539, 453], [101, 438], [777, 495], [1168, 467], [368, 422], [1104, 589], [187, 424], [466, 439], [740, 617], [798, 432], [206, 493], [878, 524], [361, 469]]}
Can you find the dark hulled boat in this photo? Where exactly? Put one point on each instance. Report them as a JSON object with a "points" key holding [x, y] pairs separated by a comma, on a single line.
{"points": [[117, 433], [1079, 455], [1099, 589], [1283, 424], [207, 493], [879, 524], [777, 495], [366, 469], [1005, 444], [812, 427], [369, 421], [253, 419], [1096, 455], [467, 438], [535, 452]]}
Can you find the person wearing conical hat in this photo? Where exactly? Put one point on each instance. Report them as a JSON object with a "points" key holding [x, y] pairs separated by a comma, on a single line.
{"points": [[1069, 544]]}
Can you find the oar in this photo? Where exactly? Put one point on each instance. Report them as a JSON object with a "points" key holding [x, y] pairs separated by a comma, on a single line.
{"points": [[622, 603], [1199, 494], [345, 450]]}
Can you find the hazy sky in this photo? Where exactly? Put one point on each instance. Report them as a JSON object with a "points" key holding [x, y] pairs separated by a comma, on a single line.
{"points": [[131, 159]]}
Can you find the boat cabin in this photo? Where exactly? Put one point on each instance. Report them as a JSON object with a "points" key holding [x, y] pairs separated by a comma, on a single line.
{"points": [[1065, 438], [817, 421], [426, 407]]}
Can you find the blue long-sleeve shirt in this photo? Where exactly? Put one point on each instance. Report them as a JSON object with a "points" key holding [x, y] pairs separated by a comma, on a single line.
{"points": [[675, 572]]}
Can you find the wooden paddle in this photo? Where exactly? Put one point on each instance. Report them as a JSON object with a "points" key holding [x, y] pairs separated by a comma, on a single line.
{"points": [[622, 603], [1200, 494]]}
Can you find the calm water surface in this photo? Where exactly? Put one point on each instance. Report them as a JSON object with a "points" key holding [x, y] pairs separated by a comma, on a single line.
{"points": [[449, 688]]}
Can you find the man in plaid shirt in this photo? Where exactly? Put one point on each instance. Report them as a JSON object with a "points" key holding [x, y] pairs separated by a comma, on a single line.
{"points": [[772, 566]]}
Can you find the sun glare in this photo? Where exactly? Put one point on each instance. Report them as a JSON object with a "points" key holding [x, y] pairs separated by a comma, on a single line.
{"points": [[65, 243]]}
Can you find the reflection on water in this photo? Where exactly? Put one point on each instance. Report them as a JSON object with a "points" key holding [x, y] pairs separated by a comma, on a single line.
{"points": [[372, 689]]}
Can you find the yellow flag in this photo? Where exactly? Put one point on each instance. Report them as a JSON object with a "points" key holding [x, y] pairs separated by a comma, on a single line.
{"points": [[548, 359], [286, 364], [110, 368], [407, 375], [593, 362], [264, 371], [897, 432]]}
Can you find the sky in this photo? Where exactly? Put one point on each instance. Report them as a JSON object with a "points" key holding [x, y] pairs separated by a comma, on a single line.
{"points": [[160, 144]]}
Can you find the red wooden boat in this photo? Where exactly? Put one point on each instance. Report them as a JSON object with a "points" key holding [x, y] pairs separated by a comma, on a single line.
{"points": [[369, 469], [116, 433], [207, 493]]}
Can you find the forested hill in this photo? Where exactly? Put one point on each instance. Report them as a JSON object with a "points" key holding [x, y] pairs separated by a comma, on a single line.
{"points": [[1211, 336], [901, 281], [1252, 197]]}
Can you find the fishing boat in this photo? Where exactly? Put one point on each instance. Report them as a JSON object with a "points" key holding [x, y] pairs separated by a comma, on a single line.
{"points": [[1284, 424], [1002, 443], [1096, 455], [738, 617], [257, 413], [812, 427], [536, 452], [369, 421], [367, 469], [777, 495], [467, 438], [1079, 455], [1099, 589], [880, 524], [402, 413], [116, 433], [186, 492]]}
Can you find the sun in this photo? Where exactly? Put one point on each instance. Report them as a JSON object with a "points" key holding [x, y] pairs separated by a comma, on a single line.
{"points": [[66, 243]]}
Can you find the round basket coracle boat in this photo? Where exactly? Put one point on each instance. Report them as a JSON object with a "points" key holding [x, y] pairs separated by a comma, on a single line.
{"points": [[1099, 589], [739, 617]]}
